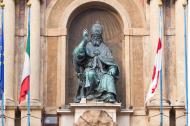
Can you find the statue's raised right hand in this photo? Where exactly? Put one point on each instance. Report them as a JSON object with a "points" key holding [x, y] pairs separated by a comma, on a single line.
{"points": [[85, 35]]}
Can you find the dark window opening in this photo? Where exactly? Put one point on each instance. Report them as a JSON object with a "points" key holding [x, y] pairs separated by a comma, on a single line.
{"points": [[172, 117], [50, 120], [17, 117]]}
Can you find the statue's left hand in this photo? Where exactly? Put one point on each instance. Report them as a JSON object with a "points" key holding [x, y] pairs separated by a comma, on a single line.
{"points": [[112, 71]]}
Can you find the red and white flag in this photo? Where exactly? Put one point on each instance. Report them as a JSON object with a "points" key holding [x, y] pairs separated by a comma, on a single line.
{"points": [[156, 72]]}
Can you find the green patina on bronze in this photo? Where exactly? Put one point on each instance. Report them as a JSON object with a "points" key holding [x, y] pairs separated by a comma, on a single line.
{"points": [[96, 68]]}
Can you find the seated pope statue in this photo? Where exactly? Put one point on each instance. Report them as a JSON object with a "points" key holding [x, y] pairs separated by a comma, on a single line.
{"points": [[95, 67]]}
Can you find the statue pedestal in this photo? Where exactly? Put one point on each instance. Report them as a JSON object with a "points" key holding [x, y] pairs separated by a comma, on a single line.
{"points": [[101, 114], [95, 108], [180, 115]]}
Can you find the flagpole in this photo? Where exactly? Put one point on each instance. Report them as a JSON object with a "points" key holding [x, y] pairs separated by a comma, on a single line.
{"points": [[28, 101], [188, 47], [186, 72], [2, 110], [161, 82], [2, 70]]}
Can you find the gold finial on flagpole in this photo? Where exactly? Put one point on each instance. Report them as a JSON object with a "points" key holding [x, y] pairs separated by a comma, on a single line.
{"points": [[2, 4], [184, 3], [29, 3], [160, 2]]}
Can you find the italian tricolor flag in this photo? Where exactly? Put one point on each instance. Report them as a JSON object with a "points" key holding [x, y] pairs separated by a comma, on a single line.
{"points": [[26, 72]]}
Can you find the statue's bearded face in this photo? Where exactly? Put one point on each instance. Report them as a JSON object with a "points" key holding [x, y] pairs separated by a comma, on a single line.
{"points": [[96, 39]]}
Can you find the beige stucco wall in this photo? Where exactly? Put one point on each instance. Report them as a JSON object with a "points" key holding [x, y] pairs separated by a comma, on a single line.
{"points": [[48, 45]]}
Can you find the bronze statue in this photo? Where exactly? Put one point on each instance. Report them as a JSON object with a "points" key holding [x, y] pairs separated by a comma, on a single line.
{"points": [[96, 68]]}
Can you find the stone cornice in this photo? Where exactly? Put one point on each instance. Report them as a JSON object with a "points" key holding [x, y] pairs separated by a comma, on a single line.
{"points": [[138, 32], [148, 1], [16, 1], [184, 1], [57, 32]]}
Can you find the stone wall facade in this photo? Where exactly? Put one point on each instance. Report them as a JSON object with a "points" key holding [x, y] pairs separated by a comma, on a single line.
{"points": [[132, 36]]}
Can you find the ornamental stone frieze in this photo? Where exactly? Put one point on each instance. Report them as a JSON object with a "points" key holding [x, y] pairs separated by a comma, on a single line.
{"points": [[184, 1]]}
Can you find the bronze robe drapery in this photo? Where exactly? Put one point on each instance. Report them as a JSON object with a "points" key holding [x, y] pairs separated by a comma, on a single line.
{"points": [[96, 69]]}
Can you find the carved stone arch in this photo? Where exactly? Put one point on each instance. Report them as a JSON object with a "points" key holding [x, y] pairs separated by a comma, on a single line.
{"points": [[69, 6], [113, 36], [141, 11], [114, 4]]}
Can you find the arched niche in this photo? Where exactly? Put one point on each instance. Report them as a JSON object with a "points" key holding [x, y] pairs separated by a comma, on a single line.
{"points": [[59, 17], [83, 17]]}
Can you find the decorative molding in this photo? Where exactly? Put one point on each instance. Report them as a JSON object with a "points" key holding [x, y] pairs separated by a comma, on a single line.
{"points": [[148, 1], [20, 32], [138, 32], [17, 1], [56, 32], [170, 32]]}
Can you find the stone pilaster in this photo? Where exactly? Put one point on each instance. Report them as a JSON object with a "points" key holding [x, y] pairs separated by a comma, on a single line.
{"points": [[9, 37], [10, 112], [35, 52], [155, 6], [180, 68], [127, 70], [36, 110], [35, 116], [180, 116], [188, 46], [61, 76], [154, 116], [9, 40], [180, 108]]}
